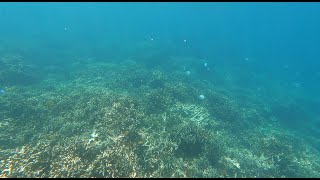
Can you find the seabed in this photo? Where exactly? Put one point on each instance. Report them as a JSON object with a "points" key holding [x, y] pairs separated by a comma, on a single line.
{"points": [[132, 119]]}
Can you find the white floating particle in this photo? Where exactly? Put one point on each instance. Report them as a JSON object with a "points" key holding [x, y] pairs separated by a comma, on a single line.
{"points": [[201, 97]]}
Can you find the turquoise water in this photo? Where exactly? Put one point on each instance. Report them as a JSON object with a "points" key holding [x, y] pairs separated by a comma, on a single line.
{"points": [[159, 89]]}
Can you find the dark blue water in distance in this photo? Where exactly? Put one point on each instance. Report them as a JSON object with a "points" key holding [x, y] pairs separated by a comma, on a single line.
{"points": [[263, 53]]}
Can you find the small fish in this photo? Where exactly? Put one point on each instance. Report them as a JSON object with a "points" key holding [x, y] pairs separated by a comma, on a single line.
{"points": [[2, 91]]}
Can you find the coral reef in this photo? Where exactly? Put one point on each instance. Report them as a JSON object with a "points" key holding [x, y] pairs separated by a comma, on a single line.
{"points": [[14, 71], [118, 120]]}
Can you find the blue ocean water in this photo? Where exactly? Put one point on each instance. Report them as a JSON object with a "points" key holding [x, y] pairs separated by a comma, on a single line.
{"points": [[267, 52]]}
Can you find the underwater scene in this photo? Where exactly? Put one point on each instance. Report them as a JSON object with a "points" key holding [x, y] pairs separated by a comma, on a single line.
{"points": [[159, 89]]}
